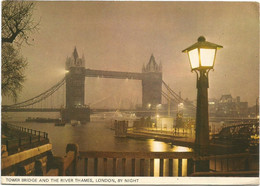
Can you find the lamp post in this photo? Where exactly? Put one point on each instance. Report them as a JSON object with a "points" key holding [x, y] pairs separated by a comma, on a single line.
{"points": [[202, 57]]}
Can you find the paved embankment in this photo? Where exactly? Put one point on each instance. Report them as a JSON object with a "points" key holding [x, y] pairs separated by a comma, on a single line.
{"points": [[180, 139]]}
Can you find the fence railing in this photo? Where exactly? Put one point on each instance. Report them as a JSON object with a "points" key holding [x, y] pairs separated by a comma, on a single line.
{"points": [[22, 138], [184, 132], [242, 164], [143, 164], [134, 158]]}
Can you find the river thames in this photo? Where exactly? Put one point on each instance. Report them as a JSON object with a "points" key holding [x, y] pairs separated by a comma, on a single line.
{"points": [[96, 135]]}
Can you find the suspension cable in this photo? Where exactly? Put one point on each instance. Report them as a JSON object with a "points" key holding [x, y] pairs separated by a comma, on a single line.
{"points": [[39, 97], [176, 96]]}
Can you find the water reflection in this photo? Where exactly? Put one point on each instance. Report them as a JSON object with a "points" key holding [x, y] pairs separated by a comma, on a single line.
{"points": [[157, 146], [181, 149]]}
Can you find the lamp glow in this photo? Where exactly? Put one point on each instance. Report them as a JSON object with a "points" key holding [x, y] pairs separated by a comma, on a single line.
{"points": [[202, 54], [207, 57], [194, 58]]}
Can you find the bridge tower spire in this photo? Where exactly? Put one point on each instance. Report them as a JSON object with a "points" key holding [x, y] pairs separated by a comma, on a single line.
{"points": [[152, 83], [75, 53]]}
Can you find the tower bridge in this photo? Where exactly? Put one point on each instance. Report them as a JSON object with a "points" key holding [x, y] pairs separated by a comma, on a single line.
{"points": [[73, 104], [150, 77]]}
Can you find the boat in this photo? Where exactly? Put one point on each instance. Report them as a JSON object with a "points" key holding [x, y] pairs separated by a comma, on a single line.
{"points": [[41, 120], [74, 122], [60, 123]]}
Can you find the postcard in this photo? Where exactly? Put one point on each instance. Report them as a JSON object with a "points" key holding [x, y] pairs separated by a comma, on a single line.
{"points": [[130, 92]]}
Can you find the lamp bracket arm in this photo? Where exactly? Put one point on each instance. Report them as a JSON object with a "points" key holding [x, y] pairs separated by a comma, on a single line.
{"points": [[207, 72]]}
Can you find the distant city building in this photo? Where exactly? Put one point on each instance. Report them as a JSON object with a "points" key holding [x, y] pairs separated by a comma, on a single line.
{"points": [[253, 111], [227, 106], [213, 104]]}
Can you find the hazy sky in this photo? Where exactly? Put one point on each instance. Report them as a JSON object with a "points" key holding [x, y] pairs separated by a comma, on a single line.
{"points": [[121, 36]]}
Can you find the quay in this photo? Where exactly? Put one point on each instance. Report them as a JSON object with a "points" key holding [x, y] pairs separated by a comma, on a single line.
{"points": [[181, 140], [225, 142], [165, 136]]}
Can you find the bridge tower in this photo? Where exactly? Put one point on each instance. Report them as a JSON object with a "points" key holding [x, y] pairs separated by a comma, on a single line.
{"points": [[151, 84], [75, 89], [75, 80]]}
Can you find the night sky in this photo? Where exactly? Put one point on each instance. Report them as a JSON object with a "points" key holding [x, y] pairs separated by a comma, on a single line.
{"points": [[121, 36]]}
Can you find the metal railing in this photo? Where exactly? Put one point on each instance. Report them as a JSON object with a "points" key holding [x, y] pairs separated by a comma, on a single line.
{"points": [[98, 163], [242, 164], [22, 138]]}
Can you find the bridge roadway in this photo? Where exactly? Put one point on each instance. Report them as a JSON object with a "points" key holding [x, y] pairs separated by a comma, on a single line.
{"points": [[31, 109], [5, 109], [113, 74]]}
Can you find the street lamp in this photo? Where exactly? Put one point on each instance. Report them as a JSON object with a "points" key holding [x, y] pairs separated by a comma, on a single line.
{"points": [[202, 57], [180, 107]]}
